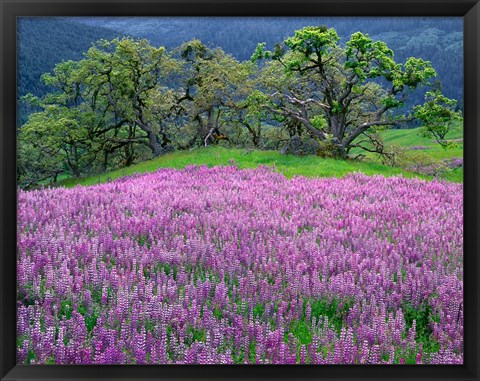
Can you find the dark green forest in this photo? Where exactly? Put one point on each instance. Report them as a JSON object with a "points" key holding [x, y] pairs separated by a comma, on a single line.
{"points": [[88, 108], [44, 42], [439, 40]]}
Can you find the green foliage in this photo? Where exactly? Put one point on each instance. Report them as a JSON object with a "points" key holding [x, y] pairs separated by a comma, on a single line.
{"points": [[194, 334], [129, 101], [216, 90], [321, 309], [333, 309], [424, 317], [324, 80], [255, 99], [438, 116], [31, 356], [194, 50], [313, 40], [260, 53], [91, 322], [301, 330], [421, 315], [369, 59], [143, 240], [217, 312], [319, 122], [252, 351], [66, 309], [258, 310], [50, 360], [336, 107], [417, 72], [391, 102]]}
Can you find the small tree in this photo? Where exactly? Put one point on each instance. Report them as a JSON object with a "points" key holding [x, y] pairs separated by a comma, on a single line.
{"points": [[438, 116]]}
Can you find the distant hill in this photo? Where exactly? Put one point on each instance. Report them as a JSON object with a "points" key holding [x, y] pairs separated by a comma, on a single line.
{"points": [[439, 40], [43, 42]]}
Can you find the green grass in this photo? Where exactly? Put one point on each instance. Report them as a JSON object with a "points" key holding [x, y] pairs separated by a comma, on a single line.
{"points": [[411, 138], [289, 165]]}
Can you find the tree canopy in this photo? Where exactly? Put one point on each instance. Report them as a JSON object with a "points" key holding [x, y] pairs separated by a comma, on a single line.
{"points": [[352, 90]]}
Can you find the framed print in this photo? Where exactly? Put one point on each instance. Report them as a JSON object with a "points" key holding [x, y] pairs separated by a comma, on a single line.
{"points": [[239, 190]]}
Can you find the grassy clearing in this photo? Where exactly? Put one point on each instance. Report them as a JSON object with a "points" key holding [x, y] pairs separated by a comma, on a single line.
{"points": [[412, 138], [289, 165]]}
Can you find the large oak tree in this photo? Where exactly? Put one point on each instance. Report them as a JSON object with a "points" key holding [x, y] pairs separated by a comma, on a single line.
{"points": [[338, 93]]}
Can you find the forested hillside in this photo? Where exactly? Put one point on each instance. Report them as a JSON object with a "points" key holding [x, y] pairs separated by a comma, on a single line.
{"points": [[439, 40], [43, 42]]}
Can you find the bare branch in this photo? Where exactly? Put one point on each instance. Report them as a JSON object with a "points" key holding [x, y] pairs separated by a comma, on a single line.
{"points": [[365, 126]]}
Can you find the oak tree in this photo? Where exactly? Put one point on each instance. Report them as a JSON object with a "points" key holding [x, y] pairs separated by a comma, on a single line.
{"points": [[353, 88]]}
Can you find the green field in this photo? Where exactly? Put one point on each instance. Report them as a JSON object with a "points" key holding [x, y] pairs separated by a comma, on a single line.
{"points": [[290, 165]]}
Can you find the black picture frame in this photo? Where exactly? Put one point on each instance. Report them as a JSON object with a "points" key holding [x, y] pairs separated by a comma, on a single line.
{"points": [[9, 10]]}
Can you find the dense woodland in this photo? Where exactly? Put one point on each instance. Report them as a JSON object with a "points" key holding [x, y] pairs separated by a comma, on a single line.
{"points": [[129, 99]]}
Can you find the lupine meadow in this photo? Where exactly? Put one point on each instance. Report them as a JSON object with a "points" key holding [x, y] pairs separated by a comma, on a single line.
{"points": [[292, 200], [226, 265]]}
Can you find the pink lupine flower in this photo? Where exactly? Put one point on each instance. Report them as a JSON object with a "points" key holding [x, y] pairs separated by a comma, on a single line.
{"points": [[222, 265]]}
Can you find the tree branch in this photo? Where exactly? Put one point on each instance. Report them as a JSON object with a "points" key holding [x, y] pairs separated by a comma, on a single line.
{"points": [[365, 126]]}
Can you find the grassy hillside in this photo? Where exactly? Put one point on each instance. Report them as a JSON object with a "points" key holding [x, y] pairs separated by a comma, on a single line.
{"points": [[413, 142], [290, 165], [412, 138]]}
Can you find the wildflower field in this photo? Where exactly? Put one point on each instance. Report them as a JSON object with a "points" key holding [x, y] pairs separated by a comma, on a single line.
{"points": [[224, 265]]}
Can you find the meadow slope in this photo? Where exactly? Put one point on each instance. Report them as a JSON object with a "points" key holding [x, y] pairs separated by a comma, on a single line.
{"points": [[289, 165]]}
